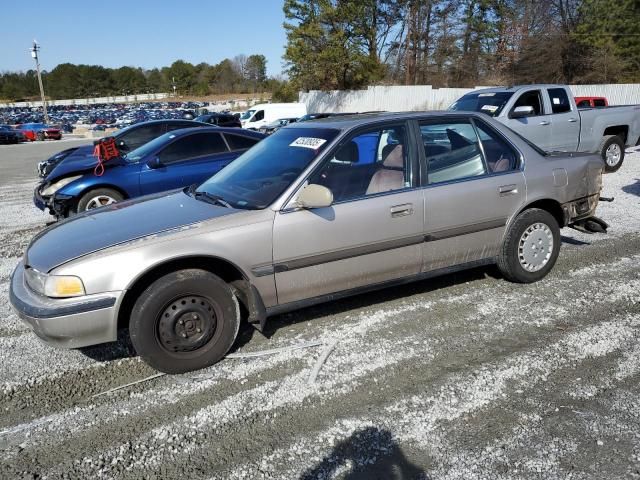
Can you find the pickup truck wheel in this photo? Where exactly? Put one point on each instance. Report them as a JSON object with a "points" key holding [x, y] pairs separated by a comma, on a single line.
{"points": [[184, 321], [98, 198], [612, 151], [531, 247]]}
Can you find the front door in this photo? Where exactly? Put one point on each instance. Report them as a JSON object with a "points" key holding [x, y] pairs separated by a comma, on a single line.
{"points": [[475, 185], [372, 233], [537, 127]]}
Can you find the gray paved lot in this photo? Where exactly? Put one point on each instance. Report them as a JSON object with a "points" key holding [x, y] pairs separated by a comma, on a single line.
{"points": [[464, 377]]}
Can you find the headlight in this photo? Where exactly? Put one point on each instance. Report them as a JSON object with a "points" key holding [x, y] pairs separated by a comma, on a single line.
{"points": [[55, 286], [51, 189]]}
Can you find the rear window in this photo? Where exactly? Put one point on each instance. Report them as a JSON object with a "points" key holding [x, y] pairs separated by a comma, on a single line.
{"points": [[599, 102]]}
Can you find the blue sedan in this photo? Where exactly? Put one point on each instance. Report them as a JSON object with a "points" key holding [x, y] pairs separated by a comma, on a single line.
{"points": [[173, 160]]}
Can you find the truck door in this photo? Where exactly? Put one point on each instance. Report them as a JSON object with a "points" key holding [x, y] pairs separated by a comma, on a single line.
{"points": [[565, 121], [536, 127]]}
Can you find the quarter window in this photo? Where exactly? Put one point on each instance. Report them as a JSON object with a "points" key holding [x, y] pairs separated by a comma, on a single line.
{"points": [[192, 146], [531, 99], [372, 162], [559, 100], [452, 151], [498, 153]]}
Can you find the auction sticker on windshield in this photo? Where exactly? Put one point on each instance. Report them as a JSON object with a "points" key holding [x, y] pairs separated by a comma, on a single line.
{"points": [[308, 142]]}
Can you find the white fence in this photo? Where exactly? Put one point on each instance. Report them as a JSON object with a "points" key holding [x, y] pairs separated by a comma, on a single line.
{"points": [[425, 97], [92, 101]]}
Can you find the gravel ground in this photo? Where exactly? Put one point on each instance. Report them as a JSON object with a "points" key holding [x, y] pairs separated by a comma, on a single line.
{"points": [[463, 377]]}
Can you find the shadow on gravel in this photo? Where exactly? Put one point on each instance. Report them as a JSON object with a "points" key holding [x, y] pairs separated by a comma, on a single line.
{"points": [[111, 351], [572, 241], [633, 189], [369, 454]]}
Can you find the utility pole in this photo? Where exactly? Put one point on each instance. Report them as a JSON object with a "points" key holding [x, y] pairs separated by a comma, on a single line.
{"points": [[34, 54]]}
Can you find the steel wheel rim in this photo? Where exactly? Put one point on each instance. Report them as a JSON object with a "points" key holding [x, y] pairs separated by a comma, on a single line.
{"points": [[99, 201], [613, 154], [187, 324], [535, 247]]}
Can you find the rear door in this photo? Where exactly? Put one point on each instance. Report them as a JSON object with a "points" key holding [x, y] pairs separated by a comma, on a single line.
{"points": [[372, 233], [565, 121], [474, 186], [189, 159], [537, 127]]}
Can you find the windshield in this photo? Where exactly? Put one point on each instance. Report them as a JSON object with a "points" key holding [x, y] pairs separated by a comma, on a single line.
{"points": [[247, 115], [148, 148], [260, 175], [490, 103]]}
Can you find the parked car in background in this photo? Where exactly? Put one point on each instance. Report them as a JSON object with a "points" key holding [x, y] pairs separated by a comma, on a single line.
{"points": [[39, 131], [547, 115], [269, 128], [173, 160], [591, 102], [10, 135], [127, 139], [314, 212], [260, 115], [220, 119]]}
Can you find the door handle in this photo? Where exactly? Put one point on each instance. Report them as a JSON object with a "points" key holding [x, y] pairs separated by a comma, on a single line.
{"points": [[545, 122], [573, 120], [401, 210], [505, 190]]}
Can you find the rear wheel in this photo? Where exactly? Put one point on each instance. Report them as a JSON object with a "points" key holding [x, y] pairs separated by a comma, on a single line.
{"points": [[612, 152], [41, 136], [98, 198], [184, 321], [531, 247]]}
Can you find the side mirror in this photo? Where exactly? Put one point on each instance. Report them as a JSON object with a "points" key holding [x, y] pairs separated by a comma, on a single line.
{"points": [[521, 112], [154, 162], [314, 196]]}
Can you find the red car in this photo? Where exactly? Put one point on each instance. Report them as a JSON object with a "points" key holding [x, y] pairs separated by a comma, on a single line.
{"points": [[39, 131], [591, 102]]}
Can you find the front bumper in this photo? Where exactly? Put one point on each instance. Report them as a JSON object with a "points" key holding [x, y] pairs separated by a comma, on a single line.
{"points": [[57, 204], [66, 322]]}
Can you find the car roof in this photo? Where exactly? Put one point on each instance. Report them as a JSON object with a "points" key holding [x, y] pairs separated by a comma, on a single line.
{"points": [[211, 128], [346, 122]]}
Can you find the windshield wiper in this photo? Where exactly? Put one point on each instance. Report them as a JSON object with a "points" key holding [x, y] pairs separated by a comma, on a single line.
{"points": [[211, 198]]}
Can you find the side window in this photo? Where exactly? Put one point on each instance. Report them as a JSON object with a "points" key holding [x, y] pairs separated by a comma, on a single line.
{"points": [[531, 99], [192, 146], [452, 151], [240, 142], [371, 162], [139, 136], [500, 156], [599, 102], [258, 116], [559, 100], [583, 104]]}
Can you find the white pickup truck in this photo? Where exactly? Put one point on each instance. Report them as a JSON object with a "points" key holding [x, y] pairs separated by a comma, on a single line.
{"points": [[547, 116]]}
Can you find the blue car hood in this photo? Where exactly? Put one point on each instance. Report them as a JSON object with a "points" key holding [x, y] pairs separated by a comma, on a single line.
{"points": [[115, 224]]}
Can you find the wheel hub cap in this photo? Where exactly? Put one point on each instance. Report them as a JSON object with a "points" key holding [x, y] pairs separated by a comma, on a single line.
{"points": [[613, 154], [187, 324], [100, 201], [535, 247]]}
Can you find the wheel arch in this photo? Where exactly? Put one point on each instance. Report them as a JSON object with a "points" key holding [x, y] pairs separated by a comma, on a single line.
{"points": [[621, 131], [548, 204], [225, 269]]}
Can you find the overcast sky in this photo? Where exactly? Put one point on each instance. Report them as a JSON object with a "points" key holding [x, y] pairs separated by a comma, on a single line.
{"points": [[140, 33]]}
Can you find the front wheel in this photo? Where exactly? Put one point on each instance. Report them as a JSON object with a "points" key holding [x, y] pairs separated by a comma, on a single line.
{"points": [[98, 198], [184, 321], [612, 152], [41, 137], [531, 247]]}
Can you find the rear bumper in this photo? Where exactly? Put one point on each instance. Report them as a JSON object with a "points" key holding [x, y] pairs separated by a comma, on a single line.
{"points": [[580, 209], [68, 322]]}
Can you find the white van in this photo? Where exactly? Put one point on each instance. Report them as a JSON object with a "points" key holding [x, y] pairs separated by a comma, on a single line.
{"points": [[260, 115]]}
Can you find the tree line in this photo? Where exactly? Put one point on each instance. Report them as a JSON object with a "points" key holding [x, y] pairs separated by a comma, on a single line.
{"points": [[242, 74], [347, 44]]}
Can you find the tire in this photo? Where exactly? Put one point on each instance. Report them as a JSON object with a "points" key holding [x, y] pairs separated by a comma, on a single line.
{"points": [[41, 136], [102, 196], [533, 227], [609, 145], [200, 300]]}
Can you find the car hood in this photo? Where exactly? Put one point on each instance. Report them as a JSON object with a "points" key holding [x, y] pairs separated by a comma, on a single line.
{"points": [[116, 224], [79, 161]]}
